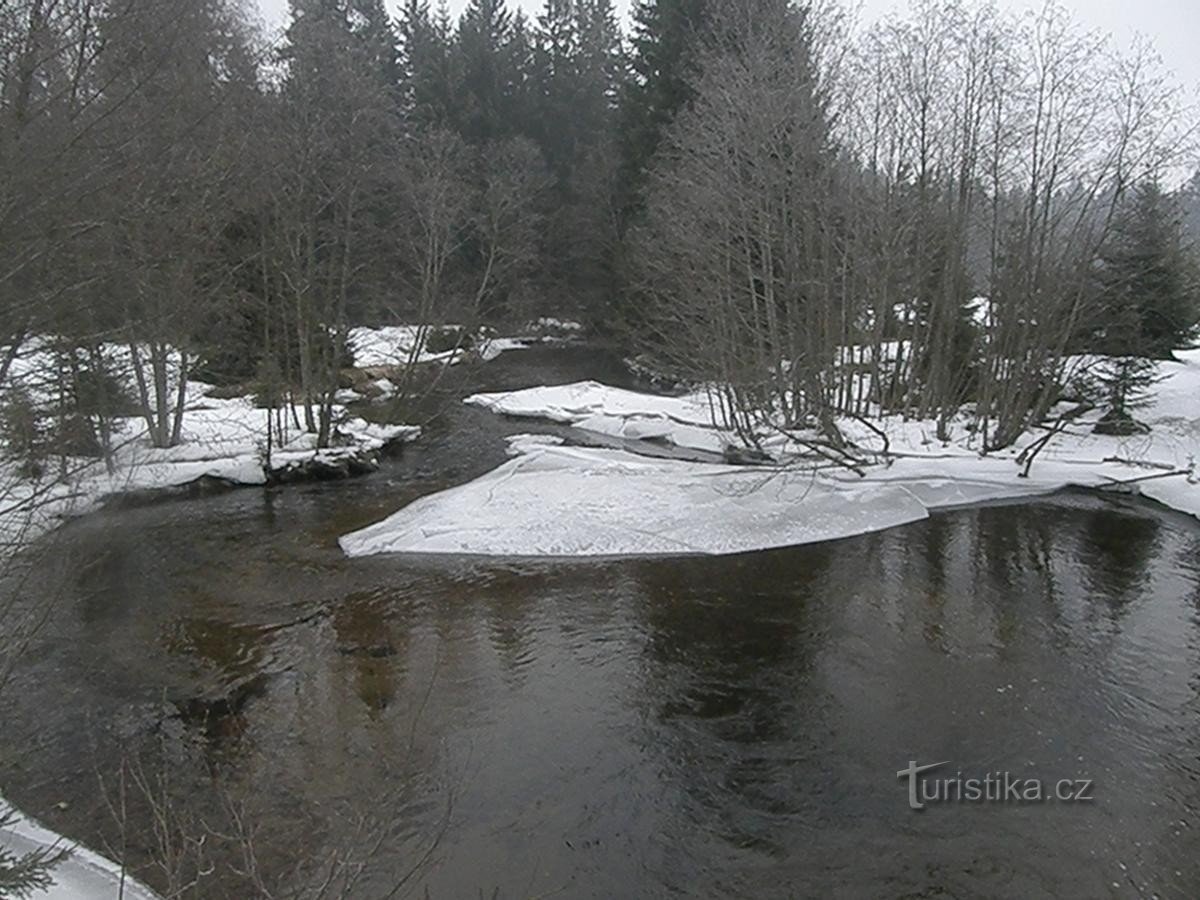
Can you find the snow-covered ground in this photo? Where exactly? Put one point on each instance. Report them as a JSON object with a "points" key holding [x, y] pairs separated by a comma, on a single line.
{"points": [[570, 501], [393, 345], [684, 421], [83, 875], [222, 439], [561, 501]]}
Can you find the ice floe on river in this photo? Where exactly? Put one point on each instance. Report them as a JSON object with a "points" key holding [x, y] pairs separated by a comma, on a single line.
{"points": [[563, 501]]}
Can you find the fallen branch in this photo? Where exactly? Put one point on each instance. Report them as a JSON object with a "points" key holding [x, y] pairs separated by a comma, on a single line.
{"points": [[1030, 453], [881, 434], [839, 457], [1141, 464], [1130, 482]]}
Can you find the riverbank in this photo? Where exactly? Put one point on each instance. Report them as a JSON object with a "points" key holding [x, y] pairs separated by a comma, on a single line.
{"points": [[222, 444], [554, 501], [83, 875], [227, 437]]}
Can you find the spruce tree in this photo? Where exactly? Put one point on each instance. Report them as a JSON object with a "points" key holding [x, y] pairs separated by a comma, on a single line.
{"points": [[482, 97], [1149, 279], [1189, 200], [378, 40], [28, 875], [667, 38], [425, 64], [1150, 301], [558, 84]]}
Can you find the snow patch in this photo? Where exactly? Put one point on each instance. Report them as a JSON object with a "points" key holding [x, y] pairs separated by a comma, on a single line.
{"points": [[84, 875], [686, 421]]}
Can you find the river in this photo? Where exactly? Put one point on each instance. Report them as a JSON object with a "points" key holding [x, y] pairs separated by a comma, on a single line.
{"points": [[649, 728]]}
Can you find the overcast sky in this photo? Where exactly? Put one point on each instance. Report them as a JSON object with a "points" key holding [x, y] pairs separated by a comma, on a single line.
{"points": [[1174, 25]]}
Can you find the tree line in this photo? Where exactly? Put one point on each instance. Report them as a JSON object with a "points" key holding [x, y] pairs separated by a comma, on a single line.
{"points": [[223, 207], [757, 193], [940, 213], [829, 203]]}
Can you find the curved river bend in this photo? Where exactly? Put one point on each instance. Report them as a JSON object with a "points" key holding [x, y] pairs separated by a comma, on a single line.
{"points": [[650, 728]]}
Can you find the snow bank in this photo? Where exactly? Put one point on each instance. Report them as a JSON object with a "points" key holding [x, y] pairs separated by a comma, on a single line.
{"points": [[84, 875], [687, 421], [561, 501], [222, 440], [557, 501], [570, 501], [393, 345]]}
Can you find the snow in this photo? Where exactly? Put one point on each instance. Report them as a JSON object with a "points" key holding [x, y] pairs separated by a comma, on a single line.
{"points": [[496, 347], [221, 439], [520, 444], [84, 875], [558, 501], [687, 421], [392, 345], [565, 325], [564, 501]]}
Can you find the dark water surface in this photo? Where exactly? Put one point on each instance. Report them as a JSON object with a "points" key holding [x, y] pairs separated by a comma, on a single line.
{"points": [[653, 728]]}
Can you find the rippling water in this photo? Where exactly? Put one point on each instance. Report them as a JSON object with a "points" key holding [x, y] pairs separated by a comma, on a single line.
{"points": [[651, 728]]}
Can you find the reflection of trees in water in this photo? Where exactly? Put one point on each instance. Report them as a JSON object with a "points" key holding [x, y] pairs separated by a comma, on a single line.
{"points": [[366, 639], [730, 654], [508, 607], [973, 576], [1116, 549], [934, 553], [1013, 571]]}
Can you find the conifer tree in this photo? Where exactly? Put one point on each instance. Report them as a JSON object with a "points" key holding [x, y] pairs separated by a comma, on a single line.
{"points": [[484, 33], [667, 38], [1150, 301], [1150, 280]]}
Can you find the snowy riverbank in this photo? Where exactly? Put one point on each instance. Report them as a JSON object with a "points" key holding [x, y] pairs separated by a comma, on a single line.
{"points": [[224, 439], [83, 875], [560, 501]]}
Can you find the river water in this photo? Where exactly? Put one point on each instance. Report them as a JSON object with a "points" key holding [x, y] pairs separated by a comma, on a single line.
{"points": [[648, 728]]}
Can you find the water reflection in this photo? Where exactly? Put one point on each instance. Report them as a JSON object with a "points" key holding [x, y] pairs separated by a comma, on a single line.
{"points": [[1118, 551]]}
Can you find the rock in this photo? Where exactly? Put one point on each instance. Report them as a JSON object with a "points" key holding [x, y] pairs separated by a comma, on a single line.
{"points": [[363, 380], [746, 456], [443, 340], [370, 390]]}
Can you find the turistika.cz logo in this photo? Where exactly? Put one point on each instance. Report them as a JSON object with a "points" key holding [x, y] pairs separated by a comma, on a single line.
{"points": [[1003, 788]]}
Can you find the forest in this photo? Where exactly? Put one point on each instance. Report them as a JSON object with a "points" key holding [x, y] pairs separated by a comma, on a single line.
{"points": [[758, 195]]}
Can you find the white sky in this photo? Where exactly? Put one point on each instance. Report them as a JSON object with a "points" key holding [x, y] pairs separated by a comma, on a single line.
{"points": [[1173, 25]]}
